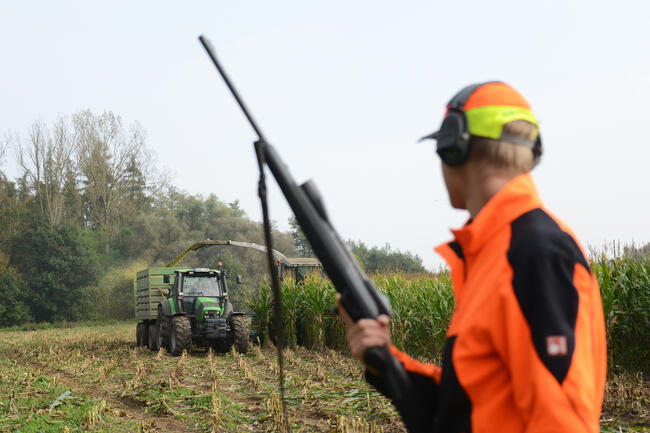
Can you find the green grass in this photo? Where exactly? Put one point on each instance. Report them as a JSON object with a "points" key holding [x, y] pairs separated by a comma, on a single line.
{"points": [[35, 326]]}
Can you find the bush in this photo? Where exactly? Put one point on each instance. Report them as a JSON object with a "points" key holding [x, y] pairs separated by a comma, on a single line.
{"points": [[112, 296], [55, 265], [13, 310]]}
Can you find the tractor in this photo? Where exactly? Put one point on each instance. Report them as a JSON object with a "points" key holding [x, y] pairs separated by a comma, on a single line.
{"points": [[184, 306], [194, 308]]}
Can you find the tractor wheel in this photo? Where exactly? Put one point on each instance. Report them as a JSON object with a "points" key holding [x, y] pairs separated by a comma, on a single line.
{"points": [[180, 335], [239, 329], [152, 338], [139, 329]]}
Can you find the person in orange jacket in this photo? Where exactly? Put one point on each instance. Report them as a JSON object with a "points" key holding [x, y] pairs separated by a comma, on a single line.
{"points": [[525, 348]]}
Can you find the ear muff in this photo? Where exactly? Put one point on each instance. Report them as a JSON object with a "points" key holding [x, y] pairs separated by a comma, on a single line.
{"points": [[453, 137], [538, 149]]}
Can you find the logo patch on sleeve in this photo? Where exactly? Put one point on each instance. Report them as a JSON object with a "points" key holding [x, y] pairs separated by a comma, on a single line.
{"points": [[556, 345]]}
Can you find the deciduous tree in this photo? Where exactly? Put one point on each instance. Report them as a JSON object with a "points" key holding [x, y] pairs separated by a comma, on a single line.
{"points": [[299, 239], [116, 170], [45, 158]]}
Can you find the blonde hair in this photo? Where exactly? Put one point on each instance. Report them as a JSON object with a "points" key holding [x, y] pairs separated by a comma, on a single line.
{"points": [[503, 154]]}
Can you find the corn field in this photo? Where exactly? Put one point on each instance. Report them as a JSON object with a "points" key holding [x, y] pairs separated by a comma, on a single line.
{"points": [[423, 304], [625, 288]]}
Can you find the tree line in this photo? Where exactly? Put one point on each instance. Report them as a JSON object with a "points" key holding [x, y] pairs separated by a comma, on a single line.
{"points": [[90, 207], [371, 258]]}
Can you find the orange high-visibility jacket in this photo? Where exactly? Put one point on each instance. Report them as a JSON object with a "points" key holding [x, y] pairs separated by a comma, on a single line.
{"points": [[525, 348]]}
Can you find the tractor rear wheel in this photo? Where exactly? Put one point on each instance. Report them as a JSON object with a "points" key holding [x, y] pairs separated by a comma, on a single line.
{"points": [[239, 329], [152, 340], [180, 335]]}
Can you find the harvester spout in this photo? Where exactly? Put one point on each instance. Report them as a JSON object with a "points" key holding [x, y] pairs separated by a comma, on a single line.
{"points": [[208, 243]]}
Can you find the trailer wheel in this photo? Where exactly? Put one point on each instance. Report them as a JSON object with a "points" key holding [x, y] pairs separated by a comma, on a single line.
{"points": [[163, 334], [180, 335], [239, 327], [153, 337], [145, 334], [139, 337]]}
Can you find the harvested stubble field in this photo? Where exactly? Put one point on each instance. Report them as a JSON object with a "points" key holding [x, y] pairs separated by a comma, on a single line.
{"points": [[116, 387]]}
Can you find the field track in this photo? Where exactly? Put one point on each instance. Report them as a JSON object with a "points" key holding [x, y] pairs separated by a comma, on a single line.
{"points": [[117, 387]]}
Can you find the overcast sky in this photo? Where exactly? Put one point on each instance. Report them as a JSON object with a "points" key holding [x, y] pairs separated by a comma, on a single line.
{"points": [[344, 89]]}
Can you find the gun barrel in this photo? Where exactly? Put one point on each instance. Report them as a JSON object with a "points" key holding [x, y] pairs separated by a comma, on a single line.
{"points": [[207, 45], [341, 267], [359, 295]]}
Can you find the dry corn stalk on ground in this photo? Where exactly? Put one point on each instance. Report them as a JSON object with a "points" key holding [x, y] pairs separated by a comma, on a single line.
{"points": [[115, 387], [118, 387]]}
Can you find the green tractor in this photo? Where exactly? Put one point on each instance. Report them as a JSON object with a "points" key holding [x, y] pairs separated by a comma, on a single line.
{"points": [[179, 306], [194, 308]]}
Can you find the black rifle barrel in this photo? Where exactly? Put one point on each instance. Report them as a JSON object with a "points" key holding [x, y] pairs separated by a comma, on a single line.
{"points": [[210, 50], [359, 295]]}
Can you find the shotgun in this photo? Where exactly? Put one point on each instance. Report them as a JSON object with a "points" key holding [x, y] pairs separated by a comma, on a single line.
{"points": [[359, 295]]}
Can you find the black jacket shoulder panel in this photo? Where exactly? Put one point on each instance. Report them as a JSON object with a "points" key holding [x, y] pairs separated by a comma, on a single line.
{"points": [[543, 259], [535, 233]]}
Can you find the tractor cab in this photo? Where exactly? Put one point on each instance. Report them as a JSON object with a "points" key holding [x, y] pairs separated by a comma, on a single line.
{"points": [[201, 293]]}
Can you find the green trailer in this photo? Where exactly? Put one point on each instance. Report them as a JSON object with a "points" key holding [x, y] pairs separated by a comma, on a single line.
{"points": [[149, 290], [180, 306]]}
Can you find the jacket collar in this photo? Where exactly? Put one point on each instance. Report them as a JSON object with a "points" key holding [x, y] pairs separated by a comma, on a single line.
{"points": [[515, 198]]}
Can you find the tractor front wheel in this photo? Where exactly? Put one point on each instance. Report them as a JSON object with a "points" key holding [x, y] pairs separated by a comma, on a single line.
{"points": [[180, 336], [152, 340], [239, 329]]}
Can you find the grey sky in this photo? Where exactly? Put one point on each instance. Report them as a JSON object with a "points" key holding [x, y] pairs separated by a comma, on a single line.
{"points": [[344, 90]]}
